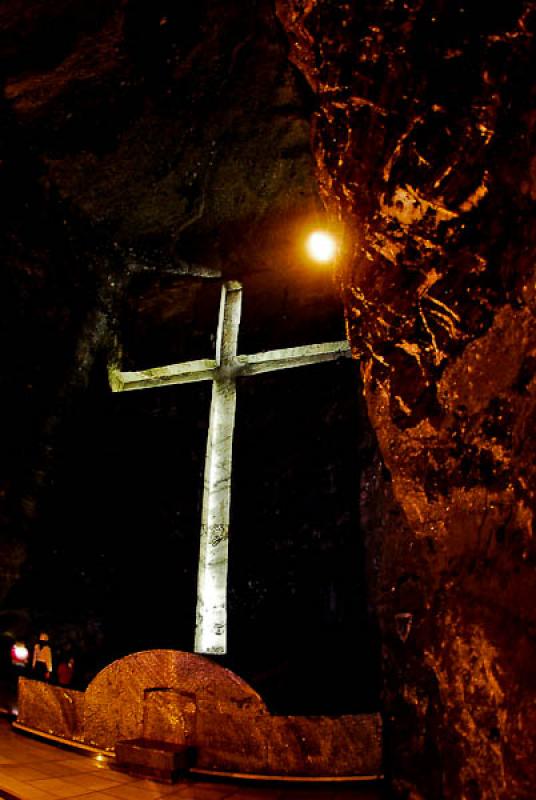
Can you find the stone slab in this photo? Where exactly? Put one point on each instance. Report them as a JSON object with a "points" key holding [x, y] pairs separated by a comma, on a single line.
{"points": [[51, 709], [170, 716], [152, 758], [342, 746]]}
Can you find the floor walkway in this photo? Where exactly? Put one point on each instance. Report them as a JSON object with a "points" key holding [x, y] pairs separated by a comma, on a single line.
{"points": [[33, 770]]}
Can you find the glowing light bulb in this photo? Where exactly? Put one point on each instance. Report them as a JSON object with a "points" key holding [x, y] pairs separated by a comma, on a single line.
{"points": [[321, 246], [19, 653]]}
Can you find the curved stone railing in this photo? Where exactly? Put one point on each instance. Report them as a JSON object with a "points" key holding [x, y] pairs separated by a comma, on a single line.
{"points": [[183, 698]]}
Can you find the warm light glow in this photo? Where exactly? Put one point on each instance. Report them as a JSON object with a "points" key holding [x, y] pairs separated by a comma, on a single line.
{"points": [[321, 246], [19, 652]]}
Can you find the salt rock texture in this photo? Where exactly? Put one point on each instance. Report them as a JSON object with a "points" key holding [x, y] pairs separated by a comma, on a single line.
{"points": [[52, 709], [115, 699], [169, 127], [423, 134]]}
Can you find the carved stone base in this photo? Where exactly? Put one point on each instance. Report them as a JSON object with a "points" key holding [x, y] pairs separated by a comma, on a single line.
{"points": [[148, 758]]}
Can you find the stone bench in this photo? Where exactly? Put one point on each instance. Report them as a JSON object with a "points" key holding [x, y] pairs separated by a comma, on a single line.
{"points": [[150, 758]]}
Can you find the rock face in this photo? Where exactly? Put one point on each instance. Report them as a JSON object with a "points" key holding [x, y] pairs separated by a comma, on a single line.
{"points": [[140, 140], [134, 137], [171, 128], [423, 135]]}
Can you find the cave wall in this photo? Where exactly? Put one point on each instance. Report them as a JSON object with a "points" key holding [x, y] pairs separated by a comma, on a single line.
{"points": [[423, 135], [140, 140], [137, 140]]}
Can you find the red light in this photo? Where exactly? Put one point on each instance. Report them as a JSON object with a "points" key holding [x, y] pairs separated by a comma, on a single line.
{"points": [[19, 653]]}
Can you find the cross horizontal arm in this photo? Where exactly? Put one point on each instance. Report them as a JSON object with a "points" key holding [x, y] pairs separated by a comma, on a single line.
{"points": [[292, 357], [188, 372]]}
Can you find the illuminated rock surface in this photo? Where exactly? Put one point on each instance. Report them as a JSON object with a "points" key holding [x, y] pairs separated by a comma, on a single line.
{"points": [[423, 138]]}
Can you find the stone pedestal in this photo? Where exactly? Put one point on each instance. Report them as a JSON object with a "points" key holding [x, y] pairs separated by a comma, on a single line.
{"points": [[150, 758]]}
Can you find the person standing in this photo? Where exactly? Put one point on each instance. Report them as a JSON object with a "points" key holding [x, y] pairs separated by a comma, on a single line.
{"points": [[42, 659], [65, 671]]}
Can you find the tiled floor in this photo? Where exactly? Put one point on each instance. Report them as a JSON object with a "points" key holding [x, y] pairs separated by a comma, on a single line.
{"points": [[33, 770]]}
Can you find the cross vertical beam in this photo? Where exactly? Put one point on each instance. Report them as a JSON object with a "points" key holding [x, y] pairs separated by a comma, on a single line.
{"points": [[211, 611]]}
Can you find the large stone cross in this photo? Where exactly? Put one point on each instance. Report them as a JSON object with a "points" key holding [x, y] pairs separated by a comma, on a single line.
{"points": [[211, 614]]}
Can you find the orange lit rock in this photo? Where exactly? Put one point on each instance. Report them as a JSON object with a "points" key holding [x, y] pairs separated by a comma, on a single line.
{"points": [[51, 709], [422, 137], [115, 699]]}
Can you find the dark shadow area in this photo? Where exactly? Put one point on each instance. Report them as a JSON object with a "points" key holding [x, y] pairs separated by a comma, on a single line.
{"points": [[297, 584]]}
